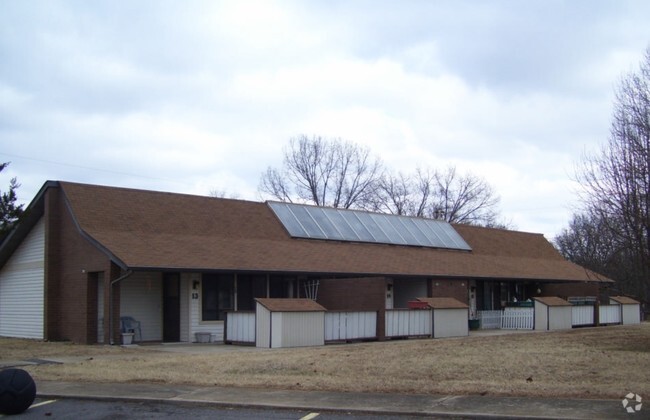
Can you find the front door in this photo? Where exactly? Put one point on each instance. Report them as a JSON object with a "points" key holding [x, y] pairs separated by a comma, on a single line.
{"points": [[172, 307]]}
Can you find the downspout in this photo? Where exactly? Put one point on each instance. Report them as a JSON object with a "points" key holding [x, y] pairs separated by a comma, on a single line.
{"points": [[110, 304]]}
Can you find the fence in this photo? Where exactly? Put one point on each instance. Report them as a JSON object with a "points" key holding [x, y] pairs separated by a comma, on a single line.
{"points": [[240, 327], [340, 326], [408, 322], [490, 320], [518, 319], [609, 314], [582, 315]]}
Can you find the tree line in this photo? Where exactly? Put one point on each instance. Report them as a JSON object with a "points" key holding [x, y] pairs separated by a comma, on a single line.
{"points": [[341, 174], [611, 232]]}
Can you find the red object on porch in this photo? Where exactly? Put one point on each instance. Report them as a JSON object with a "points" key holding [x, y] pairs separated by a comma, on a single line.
{"points": [[416, 304]]}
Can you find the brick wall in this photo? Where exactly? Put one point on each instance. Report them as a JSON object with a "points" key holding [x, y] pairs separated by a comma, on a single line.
{"points": [[565, 290], [458, 289], [71, 305]]}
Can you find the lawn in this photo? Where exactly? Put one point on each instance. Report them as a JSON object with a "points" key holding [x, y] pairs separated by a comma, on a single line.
{"points": [[604, 362]]}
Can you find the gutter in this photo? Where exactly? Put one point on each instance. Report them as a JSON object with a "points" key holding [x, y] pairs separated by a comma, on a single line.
{"points": [[110, 304]]}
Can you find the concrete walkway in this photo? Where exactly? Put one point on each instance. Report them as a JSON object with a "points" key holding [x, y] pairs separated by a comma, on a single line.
{"points": [[424, 405]]}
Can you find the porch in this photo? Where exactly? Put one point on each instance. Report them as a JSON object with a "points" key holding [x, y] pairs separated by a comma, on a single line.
{"points": [[185, 307]]}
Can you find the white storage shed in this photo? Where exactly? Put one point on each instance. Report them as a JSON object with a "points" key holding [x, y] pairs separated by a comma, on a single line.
{"points": [[289, 323], [630, 309], [552, 313], [450, 316]]}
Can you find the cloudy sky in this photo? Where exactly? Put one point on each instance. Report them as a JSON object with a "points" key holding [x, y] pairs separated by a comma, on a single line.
{"points": [[194, 96]]}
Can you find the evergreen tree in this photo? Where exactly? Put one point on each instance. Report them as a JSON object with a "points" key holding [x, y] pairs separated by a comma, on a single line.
{"points": [[9, 211]]}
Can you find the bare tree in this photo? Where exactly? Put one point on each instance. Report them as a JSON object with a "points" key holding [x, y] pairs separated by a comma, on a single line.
{"points": [[445, 195], [588, 242], [463, 199], [616, 181], [394, 194], [222, 193], [325, 172]]}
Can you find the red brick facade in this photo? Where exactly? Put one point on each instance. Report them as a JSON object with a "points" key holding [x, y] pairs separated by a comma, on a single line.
{"points": [[566, 290], [71, 262], [457, 289]]}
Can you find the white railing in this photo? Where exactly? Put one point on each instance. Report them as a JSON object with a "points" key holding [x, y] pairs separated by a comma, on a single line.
{"points": [[609, 314], [408, 322], [518, 319], [350, 325], [490, 320], [582, 315], [240, 327]]}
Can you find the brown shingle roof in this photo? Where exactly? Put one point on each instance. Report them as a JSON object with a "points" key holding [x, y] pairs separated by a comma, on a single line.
{"points": [[444, 303], [147, 229], [624, 300], [552, 301], [290, 305]]}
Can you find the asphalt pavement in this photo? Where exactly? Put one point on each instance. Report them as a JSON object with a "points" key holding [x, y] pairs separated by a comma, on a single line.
{"points": [[369, 403]]}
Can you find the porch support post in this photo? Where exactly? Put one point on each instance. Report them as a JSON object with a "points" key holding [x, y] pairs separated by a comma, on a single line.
{"points": [[235, 303]]}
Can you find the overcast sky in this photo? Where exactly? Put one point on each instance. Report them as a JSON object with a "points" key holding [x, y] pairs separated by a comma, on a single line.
{"points": [[194, 96]]}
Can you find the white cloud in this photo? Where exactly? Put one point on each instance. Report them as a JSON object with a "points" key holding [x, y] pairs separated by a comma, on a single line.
{"points": [[198, 96]]}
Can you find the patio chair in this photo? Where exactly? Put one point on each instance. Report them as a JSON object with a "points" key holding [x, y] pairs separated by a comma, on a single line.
{"points": [[130, 324]]}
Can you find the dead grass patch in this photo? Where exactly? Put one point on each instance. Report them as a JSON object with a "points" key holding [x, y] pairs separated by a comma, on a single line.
{"points": [[604, 362], [20, 349]]}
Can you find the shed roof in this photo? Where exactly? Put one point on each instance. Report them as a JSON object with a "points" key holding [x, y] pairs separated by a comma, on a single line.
{"points": [[552, 301], [141, 229], [444, 303], [624, 300], [290, 305]]}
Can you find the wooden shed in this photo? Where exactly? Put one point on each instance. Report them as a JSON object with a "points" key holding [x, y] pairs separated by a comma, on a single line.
{"points": [[289, 323], [552, 313], [450, 317], [630, 309]]}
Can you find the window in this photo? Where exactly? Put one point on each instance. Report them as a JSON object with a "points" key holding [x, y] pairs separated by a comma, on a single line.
{"points": [[217, 296]]}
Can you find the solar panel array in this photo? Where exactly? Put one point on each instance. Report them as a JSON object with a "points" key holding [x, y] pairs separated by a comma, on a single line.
{"points": [[311, 222]]}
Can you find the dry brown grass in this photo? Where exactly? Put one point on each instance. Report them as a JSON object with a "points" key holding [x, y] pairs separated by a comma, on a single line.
{"points": [[593, 363]]}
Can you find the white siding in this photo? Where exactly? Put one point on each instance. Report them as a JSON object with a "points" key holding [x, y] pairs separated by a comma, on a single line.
{"points": [[408, 322], [215, 328], [559, 318], [241, 327], [341, 325], [541, 316], [582, 315], [141, 298], [22, 288], [263, 326], [631, 314], [450, 323], [609, 314], [298, 329]]}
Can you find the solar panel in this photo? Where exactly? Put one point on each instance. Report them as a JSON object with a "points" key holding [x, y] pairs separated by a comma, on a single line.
{"points": [[311, 222]]}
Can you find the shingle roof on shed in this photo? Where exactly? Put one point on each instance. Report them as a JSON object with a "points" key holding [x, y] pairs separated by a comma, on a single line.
{"points": [[148, 229], [290, 305], [552, 301], [444, 303], [624, 300]]}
